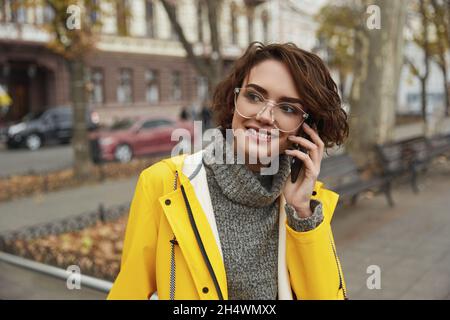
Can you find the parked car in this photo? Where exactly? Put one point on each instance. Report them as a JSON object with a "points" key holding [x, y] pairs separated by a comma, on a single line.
{"points": [[51, 125], [140, 136], [3, 131]]}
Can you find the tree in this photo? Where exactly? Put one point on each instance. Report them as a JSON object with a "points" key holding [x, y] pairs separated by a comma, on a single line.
{"points": [[441, 42], [377, 65], [73, 39], [422, 39], [337, 24], [210, 66]]}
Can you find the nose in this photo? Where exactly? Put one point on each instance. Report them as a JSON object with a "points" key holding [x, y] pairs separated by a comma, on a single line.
{"points": [[265, 115]]}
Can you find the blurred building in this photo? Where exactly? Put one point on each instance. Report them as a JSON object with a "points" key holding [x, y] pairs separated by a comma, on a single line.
{"points": [[139, 66]]}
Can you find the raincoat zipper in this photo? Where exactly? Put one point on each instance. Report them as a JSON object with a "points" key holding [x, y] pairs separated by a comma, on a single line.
{"points": [[341, 284], [173, 242]]}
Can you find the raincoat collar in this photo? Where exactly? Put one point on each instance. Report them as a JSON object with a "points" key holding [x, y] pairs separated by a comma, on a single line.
{"points": [[192, 175]]}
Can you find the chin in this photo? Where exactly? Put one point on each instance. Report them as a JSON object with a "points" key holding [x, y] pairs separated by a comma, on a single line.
{"points": [[256, 144]]}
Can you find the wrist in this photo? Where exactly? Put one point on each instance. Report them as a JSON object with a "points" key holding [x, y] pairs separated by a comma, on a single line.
{"points": [[303, 211]]}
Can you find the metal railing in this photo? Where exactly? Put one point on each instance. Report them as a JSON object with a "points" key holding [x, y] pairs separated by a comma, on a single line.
{"points": [[88, 281], [9, 240]]}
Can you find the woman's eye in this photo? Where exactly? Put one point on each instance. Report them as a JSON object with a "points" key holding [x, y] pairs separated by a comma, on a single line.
{"points": [[253, 97], [289, 108]]}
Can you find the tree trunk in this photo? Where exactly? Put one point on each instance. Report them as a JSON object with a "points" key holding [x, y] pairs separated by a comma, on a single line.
{"points": [[423, 99], [342, 82], [446, 91], [80, 142], [250, 22], [212, 70], [373, 98], [216, 61], [444, 71], [426, 62], [441, 14]]}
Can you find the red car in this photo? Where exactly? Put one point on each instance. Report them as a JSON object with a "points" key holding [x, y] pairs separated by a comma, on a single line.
{"points": [[129, 138]]}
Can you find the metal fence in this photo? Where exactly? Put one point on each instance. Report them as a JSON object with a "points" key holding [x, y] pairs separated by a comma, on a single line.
{"points": [[8, 240]]}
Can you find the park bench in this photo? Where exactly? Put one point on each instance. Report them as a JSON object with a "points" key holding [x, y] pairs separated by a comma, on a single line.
{"points": [[411, 156], [405, 158], [438, 145], [341, 175]]}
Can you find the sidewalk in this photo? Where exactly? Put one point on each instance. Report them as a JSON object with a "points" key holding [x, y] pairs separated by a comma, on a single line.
{"points": [[20, 283], [410, 243], [47, 207]]}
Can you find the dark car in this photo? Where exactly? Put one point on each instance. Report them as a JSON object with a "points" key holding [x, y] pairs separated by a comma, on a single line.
{"points": [[3, 131], [54, 125], [129, 138]]}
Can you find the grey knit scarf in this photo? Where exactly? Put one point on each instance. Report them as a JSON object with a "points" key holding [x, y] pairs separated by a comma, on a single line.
{"points": [[246, 212]]}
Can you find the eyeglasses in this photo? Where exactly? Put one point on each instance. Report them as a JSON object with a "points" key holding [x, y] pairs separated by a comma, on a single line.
{"points": [[285, 116]]}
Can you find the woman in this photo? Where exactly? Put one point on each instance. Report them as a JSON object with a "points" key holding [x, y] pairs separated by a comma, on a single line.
{"points": [[200, 228]]}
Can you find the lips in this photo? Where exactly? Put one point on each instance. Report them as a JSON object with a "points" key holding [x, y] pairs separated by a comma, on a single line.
{"points": [[259, 134]]}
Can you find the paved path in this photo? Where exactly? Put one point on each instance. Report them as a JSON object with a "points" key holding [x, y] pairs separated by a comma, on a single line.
{"points": [[20, 283], [410, 243], [61, 204], [48, 158]]}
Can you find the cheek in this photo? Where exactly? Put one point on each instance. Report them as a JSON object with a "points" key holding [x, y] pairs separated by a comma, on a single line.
{"points": [[284, 142], [237, 121]]}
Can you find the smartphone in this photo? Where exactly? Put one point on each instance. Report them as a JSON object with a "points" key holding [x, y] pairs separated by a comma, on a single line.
{"points": [[296, 163]]}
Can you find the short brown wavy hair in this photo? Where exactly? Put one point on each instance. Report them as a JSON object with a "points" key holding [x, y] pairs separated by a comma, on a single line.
{"points": [[317, 90]]}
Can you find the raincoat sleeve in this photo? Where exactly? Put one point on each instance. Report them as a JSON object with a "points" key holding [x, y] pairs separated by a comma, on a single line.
{"points": [[314, 268], [304, 224], [136, 279]]}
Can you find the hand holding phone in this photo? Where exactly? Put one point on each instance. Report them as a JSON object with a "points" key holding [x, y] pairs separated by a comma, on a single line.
{"points": [[297, 164]]}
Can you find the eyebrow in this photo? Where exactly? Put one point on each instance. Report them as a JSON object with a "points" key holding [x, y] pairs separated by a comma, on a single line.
{"points": [[265, 93]]}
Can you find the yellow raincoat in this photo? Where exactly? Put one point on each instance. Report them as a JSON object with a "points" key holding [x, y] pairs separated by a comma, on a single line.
{"points": [[308, 267]]}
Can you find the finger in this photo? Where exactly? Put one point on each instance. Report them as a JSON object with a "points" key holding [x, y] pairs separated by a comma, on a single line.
{"points": [[314, 137], [314, 151], [305, 159]]}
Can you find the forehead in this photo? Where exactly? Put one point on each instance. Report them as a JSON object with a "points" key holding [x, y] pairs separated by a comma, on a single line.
{"points": [[275, 77]]}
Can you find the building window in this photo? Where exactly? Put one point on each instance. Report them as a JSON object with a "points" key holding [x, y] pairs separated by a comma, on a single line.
{"points": [[122, 13], [150, 18], [125, 87], [49, 15], [173, 33], [21, 13], [233, 15], [200, 10], [250, 18], [94, 11], [176, 85], [2, 10], [152, 86], [9, 11], [39, 15], [97, 81], [202, 88], [265, 25]]}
